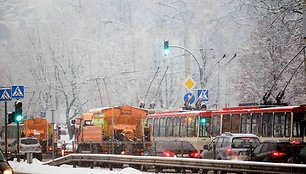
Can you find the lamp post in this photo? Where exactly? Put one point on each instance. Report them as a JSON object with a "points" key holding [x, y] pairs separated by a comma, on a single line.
{"points": [[198, 64]]}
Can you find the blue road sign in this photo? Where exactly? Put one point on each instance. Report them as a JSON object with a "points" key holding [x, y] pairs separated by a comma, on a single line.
{"points": [[17, 91], [5, 94], [42, 114], [203, 93], [190, 96]]}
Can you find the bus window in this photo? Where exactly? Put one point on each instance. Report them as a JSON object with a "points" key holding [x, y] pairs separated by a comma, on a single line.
{"points": [[235, 123], [155, 127], [204, 127], [246, 121], [267, 124], [169, 126], [215, 125], [162, 129], [297, 128], [256, 124], [279, 124], [176, 126], [149, 122], [191, 127], [226, 123], [287, 124], [183, 128]]}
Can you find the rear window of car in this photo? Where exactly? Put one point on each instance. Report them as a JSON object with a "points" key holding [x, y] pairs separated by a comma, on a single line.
{"points": [[245, 142], [29, 141], [174, 146]]}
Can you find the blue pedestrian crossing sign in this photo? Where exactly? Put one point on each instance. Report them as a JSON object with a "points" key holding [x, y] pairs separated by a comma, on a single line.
{"points": [[189, 96], [17, 91], [5, 94], [203, 94]]}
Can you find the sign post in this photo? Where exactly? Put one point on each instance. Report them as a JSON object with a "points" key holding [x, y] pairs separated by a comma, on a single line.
{"points": [[5, 95]]}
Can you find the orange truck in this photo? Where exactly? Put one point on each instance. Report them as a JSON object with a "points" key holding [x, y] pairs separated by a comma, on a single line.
{"points": [[118, 130], [41, 129]]}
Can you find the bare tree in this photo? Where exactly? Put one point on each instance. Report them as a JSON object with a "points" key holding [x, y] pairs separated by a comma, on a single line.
{"points": [[276, 39]]}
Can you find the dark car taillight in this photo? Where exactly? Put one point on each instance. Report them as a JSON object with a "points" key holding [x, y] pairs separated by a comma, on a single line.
{"points": [[168, 154], [278, 154], [50, 148], [295, 142], [195, 154], [228, 151]]}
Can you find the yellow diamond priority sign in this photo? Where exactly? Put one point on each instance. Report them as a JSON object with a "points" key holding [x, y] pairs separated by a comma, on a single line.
{"points": [[189, 84]]}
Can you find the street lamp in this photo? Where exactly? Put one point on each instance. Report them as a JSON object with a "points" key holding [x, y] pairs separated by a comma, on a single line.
{"points": [[199, 66]]}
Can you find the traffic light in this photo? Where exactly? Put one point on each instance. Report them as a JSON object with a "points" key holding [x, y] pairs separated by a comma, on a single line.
{"points": [[10, 117], [166, 48], [203, 120], [18, 117]]}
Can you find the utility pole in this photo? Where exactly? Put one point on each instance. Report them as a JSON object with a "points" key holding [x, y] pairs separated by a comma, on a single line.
{"points": [[53, 137]]}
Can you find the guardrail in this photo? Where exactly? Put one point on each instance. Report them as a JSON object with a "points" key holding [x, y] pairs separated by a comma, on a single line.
{"points": [[203, 165]]}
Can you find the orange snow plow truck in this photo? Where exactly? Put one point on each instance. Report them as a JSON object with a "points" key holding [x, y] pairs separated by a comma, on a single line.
{"points": [[115, 130], [41, 129]]}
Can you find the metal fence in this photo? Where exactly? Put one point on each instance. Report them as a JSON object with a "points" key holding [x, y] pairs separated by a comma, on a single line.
{"points": [[183, 164]]}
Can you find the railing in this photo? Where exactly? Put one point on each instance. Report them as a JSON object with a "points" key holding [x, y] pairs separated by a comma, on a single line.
{"points": [[181, 163]]}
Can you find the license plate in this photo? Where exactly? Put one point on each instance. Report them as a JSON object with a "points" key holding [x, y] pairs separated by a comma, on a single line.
{"points": [[184, 155]]}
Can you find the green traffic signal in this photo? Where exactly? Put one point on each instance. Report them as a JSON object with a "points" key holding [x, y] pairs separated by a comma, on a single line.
{"points": [[203, 120], [18, 118], [166, 48]]}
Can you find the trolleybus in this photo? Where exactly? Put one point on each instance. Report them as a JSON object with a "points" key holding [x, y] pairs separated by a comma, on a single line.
{"points": [[198, 127]]}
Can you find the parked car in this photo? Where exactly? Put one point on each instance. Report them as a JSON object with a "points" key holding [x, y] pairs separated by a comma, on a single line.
{"points": [[180, 149], [278, 151], [27, 145], [5, 168], [230, 146]]}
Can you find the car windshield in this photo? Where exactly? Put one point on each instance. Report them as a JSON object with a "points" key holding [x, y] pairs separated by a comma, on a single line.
{"points": [[29, 141], [174, 146], [245, 142]]}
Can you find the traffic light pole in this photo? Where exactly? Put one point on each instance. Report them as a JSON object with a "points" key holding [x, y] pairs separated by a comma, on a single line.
{"points": [[5, 124], [199, 66], [18, 156]]}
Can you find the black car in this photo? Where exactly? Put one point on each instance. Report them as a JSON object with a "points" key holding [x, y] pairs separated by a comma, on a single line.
{"points": [[278, 151], [5, 168], [180, 149], [173, 149]]}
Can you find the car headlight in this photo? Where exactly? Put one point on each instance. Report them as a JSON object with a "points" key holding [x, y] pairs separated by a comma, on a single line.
{"points": [[7, 171]]}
